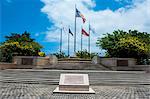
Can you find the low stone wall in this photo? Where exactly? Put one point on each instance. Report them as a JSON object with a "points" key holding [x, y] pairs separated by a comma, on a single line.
{"points": [[7, 66], [34, 60], [28, 62], [142, 67], [135, 68], [120, 63]]}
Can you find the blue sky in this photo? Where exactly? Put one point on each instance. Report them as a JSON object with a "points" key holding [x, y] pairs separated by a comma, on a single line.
{"points": [[42, 18]]}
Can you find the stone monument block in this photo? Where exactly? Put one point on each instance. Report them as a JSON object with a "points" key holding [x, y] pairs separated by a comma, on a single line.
{"points": [[53, 59], [96, 60], [74, 83]]}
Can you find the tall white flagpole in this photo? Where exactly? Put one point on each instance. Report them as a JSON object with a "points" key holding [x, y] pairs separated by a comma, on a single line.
{"points": [[89, 38], [61, 30], [75, 32], [68, 43]]}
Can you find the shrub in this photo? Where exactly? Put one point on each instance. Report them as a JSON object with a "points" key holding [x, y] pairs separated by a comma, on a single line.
{"points": [[42, 54]]}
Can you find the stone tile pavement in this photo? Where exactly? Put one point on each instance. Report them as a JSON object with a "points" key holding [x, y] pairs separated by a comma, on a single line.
{"points": [[43, 91], [39, 84]]}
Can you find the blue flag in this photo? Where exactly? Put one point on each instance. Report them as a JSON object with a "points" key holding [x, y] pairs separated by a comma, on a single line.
{"points": [[70, 32]]}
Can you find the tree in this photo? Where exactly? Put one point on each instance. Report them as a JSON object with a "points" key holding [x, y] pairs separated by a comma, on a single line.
{"points": [[42, 54], [86, 55], [60, 55], [20, 44], [131, 44]]}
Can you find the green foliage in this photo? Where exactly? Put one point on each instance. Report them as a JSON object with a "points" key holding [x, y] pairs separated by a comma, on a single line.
{"points": [[20, 44], [86, 55], [42, 54], [5, 56], [60, 55], [132, 44], [1, 55]]}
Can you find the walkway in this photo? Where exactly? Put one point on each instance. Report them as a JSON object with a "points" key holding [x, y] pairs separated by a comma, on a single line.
{"points": [[39, 84]]}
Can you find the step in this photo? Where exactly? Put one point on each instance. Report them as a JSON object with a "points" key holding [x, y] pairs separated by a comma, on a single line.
{"points": [[78, 66], [96, 77], [73, 59]]}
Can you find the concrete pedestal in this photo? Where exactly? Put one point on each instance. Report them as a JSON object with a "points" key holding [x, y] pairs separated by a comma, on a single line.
{"points": [[74, 83]]}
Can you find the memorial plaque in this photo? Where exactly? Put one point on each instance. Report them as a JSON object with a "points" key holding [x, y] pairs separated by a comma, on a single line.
{"points": [[122, 62], [69, 79], [74, 83], [27, 61]]}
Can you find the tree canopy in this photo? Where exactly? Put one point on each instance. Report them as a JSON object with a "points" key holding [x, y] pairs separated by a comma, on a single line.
{"points": [[131, 44], [85, 54], [60, 55], [20, 44]]}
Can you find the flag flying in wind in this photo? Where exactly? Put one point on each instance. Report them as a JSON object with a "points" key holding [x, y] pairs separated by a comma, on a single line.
{"points": [[70, 32], [84, 32], [64, 29], [92, 29], [79, 14]]}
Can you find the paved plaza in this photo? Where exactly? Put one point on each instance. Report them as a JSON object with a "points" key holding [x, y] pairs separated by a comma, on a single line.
{"points": [[33, 84], [39, 91]]}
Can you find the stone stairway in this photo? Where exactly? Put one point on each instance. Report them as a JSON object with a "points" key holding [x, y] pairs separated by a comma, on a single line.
{"points": [[79, 64], [51, 77]]}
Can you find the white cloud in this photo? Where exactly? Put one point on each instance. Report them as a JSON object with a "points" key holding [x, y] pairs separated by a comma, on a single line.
{"points": [[36, 34], [137, 16]]}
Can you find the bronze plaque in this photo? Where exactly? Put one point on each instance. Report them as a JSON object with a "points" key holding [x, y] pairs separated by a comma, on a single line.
{"points": [[27, 61], [122, 62], [69, 79]]}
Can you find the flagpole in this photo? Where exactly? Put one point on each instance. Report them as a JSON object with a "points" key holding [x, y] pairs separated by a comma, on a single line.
{"points": [[81, 38], [81, 41], [75, 32], [60, 40], [89, 40], [68, 43]]}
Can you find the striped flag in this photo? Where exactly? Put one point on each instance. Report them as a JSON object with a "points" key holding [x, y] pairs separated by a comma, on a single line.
{"points": [[84, 32], [79, 14]]}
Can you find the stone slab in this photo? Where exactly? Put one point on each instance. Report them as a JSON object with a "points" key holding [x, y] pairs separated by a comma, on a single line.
{"points": [[73, 83], [74, 79], [90, 91]]}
